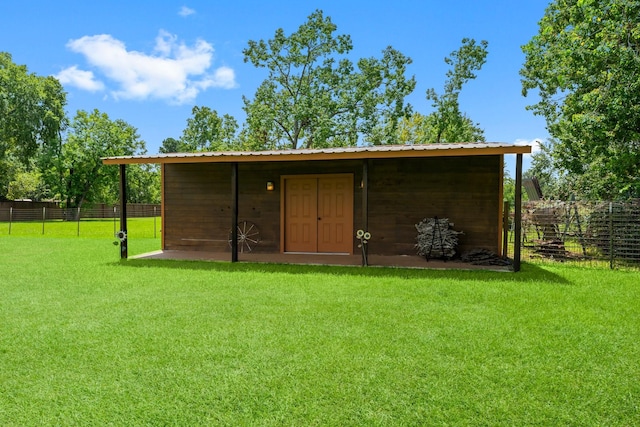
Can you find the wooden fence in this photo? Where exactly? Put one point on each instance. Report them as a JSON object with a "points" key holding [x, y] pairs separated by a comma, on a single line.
{"points": [[39, 211]]}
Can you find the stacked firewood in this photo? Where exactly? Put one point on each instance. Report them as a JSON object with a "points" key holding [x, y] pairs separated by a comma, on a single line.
{"points": [[484, 257], [436, 239]]}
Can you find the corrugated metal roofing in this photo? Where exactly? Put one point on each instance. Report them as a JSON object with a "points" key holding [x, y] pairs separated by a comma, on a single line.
{"points": [[341, 153]]}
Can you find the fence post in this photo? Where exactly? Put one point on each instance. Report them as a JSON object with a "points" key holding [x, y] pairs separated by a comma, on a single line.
{"points": [[114, 220], [154, 222], [10, 218], [44, 213], [78, 233], [505, 229], [611, 235]]}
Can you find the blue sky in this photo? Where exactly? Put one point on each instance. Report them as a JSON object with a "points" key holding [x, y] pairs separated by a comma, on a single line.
{"points": [[150, 62]]}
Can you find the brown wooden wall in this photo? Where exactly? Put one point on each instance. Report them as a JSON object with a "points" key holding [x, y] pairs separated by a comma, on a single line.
{"points": [[401, 193], [197, 206]]}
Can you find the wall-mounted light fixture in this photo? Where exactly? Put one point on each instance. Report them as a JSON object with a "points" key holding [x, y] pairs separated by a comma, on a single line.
{"points": [[270, 186]]}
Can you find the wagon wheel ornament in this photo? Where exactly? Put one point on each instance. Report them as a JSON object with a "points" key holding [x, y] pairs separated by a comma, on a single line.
{"points": [[248, 236]]}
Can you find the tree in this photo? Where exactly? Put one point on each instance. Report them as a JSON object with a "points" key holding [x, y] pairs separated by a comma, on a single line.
{"points": [[9, 168], [585, 63], [553, 182], [27, 185], [31, 114], [78, 175], [447, 123], [143, 184], [316, 97], [207, 131], [171, 145], [509, 190]]}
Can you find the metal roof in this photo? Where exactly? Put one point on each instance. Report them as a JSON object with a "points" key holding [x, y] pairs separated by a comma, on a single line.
{"points": [[341, 153]]}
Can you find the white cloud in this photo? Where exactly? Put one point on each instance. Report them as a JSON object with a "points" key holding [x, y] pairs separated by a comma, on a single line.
{"points": [[174, 72], [225, 78], [84, 80], [164, 42], [534, 143], [186, 11]]}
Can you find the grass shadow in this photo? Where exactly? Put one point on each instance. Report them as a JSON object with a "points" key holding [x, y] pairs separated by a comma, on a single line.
{"points": [[530, 273]]}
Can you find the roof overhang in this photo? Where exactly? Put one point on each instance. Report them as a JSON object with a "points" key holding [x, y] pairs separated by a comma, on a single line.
{"points": [[342, 153]]}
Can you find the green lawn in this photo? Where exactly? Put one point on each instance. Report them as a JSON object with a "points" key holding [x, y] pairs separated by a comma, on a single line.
{"points": [[136, 227], [88, 340]]}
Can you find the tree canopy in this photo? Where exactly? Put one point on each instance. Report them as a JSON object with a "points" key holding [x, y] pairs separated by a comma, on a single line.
{"points": [[205, 131], [78, 174], [31, 109], [31, 115], [585, 64], [447, 123], [314, 96]]}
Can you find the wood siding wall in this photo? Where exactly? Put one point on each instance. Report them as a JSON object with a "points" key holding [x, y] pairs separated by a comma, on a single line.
{"points": [[197, 210], [401, 193]]}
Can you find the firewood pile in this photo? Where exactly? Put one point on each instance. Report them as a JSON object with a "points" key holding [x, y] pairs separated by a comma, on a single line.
{"points": [[436, 239], [484, 257], [553, 248]]}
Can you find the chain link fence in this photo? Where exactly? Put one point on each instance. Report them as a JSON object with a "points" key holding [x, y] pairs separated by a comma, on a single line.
{"points": [[598, 233]]}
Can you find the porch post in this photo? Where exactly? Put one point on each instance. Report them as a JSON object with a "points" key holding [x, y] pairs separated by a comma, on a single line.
{"points": [[234, 212], [517, 216], [124, 250], [365, 208]]}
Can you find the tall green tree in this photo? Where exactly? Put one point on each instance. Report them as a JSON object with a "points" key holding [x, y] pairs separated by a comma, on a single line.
{"points": [[447, 123], [585, 64], [314, 96], [78, 175], [28, 185], [143, 184], [171, 145], [208, 131], [554, 184], [10, 167], [31, 115]]}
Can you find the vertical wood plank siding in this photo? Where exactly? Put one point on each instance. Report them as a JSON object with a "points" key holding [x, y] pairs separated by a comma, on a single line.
{"points": [[401, 193], [197, 206]]}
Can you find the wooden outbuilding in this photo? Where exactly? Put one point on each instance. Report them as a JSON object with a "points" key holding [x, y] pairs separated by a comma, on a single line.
{"points": [[316, 201]]}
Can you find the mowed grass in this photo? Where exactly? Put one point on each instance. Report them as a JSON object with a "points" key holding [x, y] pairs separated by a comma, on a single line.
{"points": [[88, 340], [136, 227]]}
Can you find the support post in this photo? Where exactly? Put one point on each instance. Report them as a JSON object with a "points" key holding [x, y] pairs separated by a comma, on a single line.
{"points": [[517, 216], [234, 212], [124, 247], [365, 209]]}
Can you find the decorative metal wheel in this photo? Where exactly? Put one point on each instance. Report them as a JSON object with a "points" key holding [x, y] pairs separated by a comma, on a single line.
{"points": [[248, 236]]}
